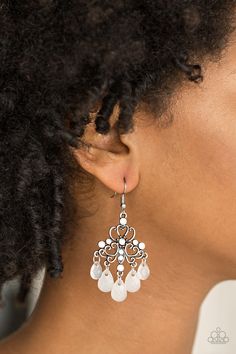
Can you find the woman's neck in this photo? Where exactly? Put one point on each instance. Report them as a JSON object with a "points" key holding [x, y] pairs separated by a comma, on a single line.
{"points": [[73, 315]]}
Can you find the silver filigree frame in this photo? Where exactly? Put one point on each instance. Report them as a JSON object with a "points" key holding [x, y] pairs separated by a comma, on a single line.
{"points": [[115, 244]]}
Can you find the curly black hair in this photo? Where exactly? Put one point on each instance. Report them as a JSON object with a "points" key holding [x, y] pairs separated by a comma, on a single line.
{"points": [[57, 60]]}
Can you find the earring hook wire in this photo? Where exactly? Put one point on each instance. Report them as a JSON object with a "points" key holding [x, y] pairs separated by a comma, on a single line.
{"points": [[124, 190]]}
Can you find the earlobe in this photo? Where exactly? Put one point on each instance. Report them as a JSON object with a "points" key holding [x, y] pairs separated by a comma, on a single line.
{"points": [[111, 163]]}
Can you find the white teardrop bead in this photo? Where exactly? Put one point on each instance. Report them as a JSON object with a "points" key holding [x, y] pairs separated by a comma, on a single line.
{"points": [[119, 291], [143, 271], [96, 271], [106, 281], [132, 281]]}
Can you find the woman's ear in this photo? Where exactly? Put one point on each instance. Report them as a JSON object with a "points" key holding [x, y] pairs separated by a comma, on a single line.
{"points": [[110, 158]]}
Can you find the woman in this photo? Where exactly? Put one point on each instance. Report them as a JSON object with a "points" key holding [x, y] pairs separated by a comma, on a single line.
{"points": [[137, 98]]}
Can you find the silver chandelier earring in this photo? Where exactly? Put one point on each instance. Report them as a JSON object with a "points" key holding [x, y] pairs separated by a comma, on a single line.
{"points": [[121, 245]]}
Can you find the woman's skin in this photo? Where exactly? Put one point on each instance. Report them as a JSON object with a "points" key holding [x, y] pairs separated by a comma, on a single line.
{"points": [[181, 199]]}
